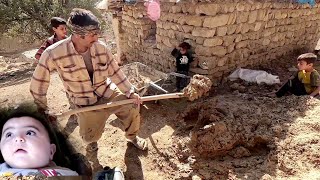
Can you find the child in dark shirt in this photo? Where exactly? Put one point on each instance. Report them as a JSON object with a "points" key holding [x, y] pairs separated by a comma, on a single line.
{"points": [[183, 60]]}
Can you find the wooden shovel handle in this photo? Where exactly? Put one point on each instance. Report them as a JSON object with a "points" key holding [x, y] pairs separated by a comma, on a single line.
{"points": [[122, 102]]}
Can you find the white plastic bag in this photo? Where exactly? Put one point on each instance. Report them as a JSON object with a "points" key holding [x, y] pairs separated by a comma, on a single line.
{"points": [[102, 5], [256, 76]]}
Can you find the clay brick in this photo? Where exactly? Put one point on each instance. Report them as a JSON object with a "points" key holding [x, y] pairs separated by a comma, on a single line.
{"points": [[187, 29], [207, 9], [219, 51], [203, 51], [194, 20], [203, 32], [216, 21], [216, 41], [222, 31]]}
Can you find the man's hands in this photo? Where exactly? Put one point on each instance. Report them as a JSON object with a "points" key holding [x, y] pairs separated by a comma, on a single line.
{"points": [[137, 98]]}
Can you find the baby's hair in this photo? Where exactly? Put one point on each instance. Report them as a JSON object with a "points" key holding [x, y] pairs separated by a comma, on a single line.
{"points": [[185, 45], [307, 57], [30, 110]]}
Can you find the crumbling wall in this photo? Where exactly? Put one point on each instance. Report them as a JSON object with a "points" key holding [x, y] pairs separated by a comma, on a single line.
{"points": [[224, 35]]}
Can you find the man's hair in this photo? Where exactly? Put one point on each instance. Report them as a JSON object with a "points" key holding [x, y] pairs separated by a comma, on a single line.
{"points": [[185, 45], [307, 57], [57, 21], [83, 17], [30, 110]]}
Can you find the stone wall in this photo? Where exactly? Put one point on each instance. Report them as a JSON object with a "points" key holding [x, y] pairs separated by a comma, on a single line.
{"points": [[224, 35]]}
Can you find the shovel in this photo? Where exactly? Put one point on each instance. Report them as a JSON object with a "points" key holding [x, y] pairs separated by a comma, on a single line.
{"points": [[198, 86], [122, 102]]}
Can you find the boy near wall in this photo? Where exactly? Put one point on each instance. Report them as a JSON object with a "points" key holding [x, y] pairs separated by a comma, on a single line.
{"points": [[183, 60], [59, 28], [306, 81]]}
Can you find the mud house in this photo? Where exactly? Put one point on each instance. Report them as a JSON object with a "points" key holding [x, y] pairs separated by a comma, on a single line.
{"points": [[225, 34]]}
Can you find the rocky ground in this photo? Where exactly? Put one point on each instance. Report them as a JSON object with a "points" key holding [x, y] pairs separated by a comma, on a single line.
{"points": [[237, 132]]}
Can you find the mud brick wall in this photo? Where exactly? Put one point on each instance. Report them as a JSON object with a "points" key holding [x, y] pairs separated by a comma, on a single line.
{"points": [[224, 35]]}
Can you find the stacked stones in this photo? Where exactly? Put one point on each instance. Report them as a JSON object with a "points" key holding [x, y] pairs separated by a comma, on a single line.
{"points": [[137, 36], [224, 35]]}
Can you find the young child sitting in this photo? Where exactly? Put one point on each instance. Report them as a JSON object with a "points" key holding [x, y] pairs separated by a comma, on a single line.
{"points": [[183, 60], [59, 28], [29, 145], [306, 81]]}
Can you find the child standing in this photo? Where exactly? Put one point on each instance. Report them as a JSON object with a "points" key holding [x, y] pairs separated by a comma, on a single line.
{"points": [[29, 145], [59, 28], [307, 79], [183, 60]]}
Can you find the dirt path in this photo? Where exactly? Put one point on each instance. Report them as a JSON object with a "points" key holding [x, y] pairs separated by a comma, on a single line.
{"points": [[230, 135]]}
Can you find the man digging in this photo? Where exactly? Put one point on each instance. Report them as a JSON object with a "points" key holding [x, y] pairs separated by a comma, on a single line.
{"points": [[90, 77]]}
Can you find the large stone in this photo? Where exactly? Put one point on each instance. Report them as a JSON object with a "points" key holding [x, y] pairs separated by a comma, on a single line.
{"points": [[216, 41], [241, 44], [261, 14], [216, 21], [228, 7], [159, 24], [253, 16], [171, 34], [227, 40], [242, 17], [222, 31], [245, 28], [166, 41], [199, 71], [268, 32], [176, 9], [265, 41], [176, 27], [200, 40], [182, 20], [137, 14], [238, 38], [194, 20], [232, 18], [207, 9], [167, 26], [219, 51], [232, 29], [203, 51], [187, 29], [230, 48], [271, 23], [257, 26], [203, 32], [240, 7], [222, 61]]}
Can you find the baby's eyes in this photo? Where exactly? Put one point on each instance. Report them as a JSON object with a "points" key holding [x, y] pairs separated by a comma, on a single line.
{"points": [[30, 133], [9, 134]]}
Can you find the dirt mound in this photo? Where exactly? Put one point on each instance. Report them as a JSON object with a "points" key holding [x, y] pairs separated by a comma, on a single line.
{"points": [[227, 129]]}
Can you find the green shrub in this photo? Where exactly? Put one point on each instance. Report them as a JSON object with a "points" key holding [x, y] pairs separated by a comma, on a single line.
{"points": [[31, 17]]}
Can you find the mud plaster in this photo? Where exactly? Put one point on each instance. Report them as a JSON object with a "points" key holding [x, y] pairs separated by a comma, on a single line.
{"points": [[199, 86]]}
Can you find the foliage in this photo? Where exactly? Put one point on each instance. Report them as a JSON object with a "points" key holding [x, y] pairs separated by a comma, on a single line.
{"points": [[31, 17]]}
